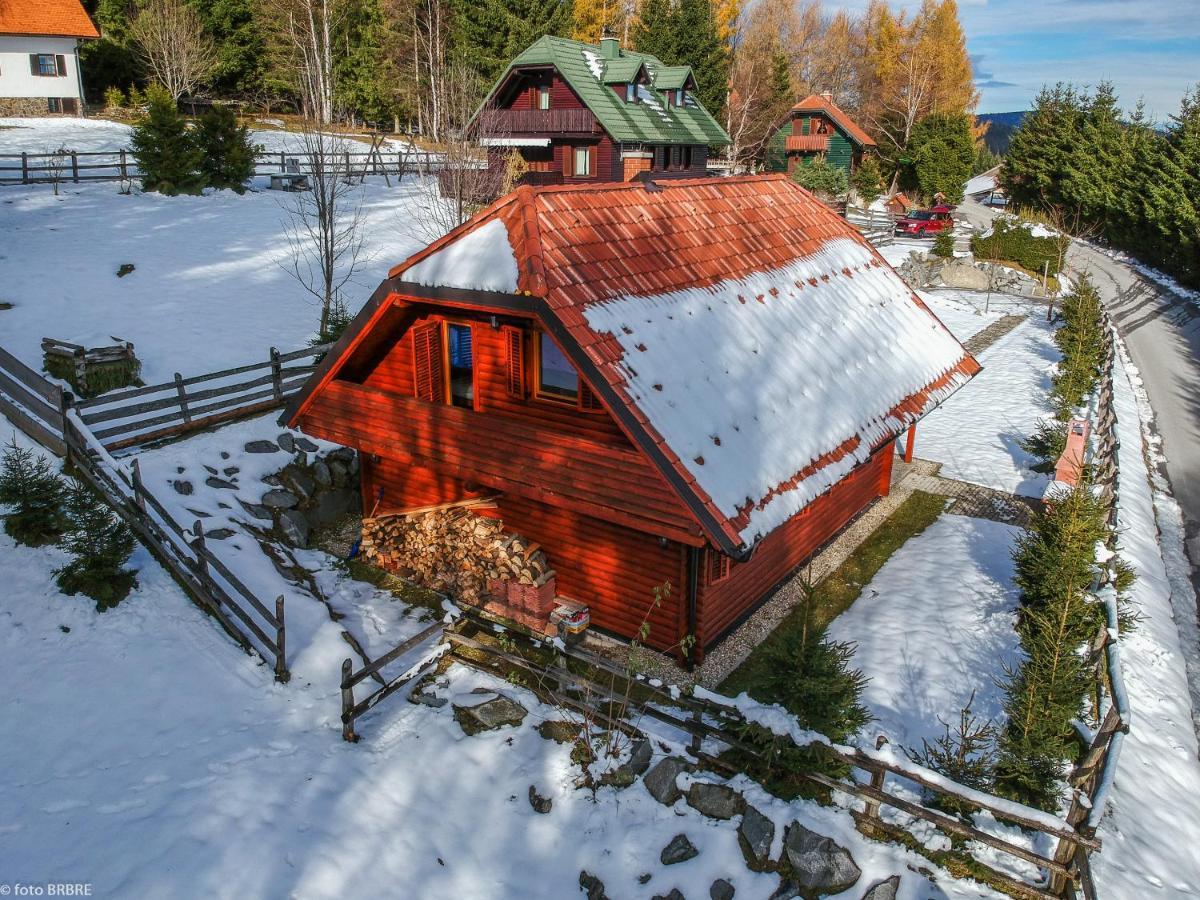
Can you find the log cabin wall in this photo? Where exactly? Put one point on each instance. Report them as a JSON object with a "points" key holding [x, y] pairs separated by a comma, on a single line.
{"points": [[722, 604]]}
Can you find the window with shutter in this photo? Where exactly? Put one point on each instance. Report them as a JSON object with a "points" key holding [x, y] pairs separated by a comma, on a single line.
{"points": [[588, 401], [428, 356], [719, 566], [514, 349], [61, 65]]}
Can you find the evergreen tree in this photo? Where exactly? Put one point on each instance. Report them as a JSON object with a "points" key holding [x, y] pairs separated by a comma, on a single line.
{"points": [[940, 155], [241, 47], [489, 33], [101, 545], [36, 493], [1039, 155], [1096, 165], [165, 150], [1184, 148], [654, 31], [228, 153], [868, 179], [825, 180], [943, 244], [109, 61], [1081, 340], [698, 44]]}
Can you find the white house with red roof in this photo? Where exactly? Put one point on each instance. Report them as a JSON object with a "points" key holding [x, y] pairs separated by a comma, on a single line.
{"points": [[694, 383], [39, 56]]}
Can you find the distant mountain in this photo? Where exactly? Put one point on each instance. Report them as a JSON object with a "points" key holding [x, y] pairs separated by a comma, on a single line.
{"points": [[1000, 129]]}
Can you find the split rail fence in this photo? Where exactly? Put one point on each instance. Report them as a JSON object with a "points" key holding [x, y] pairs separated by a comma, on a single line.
{"points": [[135, 416], [119, 165], [47, 414]]}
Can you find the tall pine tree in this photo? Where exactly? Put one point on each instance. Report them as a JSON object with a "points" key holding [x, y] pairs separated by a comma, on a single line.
{"points": [[487, 34]]}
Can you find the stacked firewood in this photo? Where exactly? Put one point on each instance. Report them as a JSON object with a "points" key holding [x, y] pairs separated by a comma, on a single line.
{"points": [[451, 549]]}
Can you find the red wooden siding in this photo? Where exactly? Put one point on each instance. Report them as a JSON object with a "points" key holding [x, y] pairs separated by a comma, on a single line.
{"points": [[395, 372], [721, 604], [510, 455], [389, 486]]}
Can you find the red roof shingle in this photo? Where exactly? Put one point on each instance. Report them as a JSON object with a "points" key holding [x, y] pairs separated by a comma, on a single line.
{"points": [[56, 18]]}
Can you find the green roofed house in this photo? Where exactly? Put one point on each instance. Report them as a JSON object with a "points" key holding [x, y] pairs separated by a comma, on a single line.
{"points": [[817, 127], [581, 113]]}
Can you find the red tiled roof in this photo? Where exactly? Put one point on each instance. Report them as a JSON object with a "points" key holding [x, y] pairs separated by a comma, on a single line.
{"points": [[805, 142], [58, 18], [576, 246], [816, 103]]}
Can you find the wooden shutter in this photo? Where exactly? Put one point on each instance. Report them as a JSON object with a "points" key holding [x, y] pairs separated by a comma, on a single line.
{"points": [[34, 68], [718, 566], [428, 365], [514, 352], [588, 401], [592, 162], [61, 62]]}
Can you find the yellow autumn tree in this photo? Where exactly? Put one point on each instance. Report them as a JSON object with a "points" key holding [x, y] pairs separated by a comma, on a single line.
{"points": [[726, 13], [940, 38], [592, 17]]}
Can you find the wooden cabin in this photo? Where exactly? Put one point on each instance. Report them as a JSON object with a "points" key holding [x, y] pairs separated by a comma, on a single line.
{"points": [[817, 127], [693, 383], [583, 113]]}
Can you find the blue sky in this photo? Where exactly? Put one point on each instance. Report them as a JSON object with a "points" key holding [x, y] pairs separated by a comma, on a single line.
{"points": [[1147, 48]]}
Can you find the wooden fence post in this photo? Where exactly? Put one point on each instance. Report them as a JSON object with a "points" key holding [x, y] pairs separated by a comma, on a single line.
{"points": [[80, 362], [124, 164], [347, 702], [871, 809], [138, 490], [694, 745], [24, 167], [75, 167], [199, 546], [282, 675], [276, 376], [183, 404]]}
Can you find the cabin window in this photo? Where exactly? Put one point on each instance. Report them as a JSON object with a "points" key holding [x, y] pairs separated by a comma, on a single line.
{"points": [[675, 156], [679, 93], [556, 376], [631, 93], [719, 567], [543, 96], [47, 64], [461, 357], [686, 156], [581, 162]]}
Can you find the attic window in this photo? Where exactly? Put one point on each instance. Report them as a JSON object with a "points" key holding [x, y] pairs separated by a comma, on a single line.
{"points": [[631, 93], [679, 94], [556, 377], [719, 567], [543, 96]]}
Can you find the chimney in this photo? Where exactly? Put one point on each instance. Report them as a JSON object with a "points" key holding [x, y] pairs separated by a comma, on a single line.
{"points": [[610, 47]]}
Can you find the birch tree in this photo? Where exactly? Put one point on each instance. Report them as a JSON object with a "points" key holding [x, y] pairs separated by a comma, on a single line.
{"points": [[303, 34], [172, 45]]}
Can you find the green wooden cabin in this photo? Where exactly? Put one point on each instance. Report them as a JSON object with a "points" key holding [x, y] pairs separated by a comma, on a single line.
{"points": [[817, 127]]}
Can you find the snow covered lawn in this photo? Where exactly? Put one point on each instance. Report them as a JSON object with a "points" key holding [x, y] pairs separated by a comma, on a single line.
{"points": [[975, 433], [960, 311], [145, 755], [934, 625]]}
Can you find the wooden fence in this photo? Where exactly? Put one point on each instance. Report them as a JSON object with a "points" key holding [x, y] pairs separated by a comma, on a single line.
{"points": [[134, 416], [119, 165], [877, 227], [351, 708], [44, 412], [702, 716]]}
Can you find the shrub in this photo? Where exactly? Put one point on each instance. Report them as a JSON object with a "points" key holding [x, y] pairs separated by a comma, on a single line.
{"points": [[101, 545], [823, 179], [1013, 242], [943, 244], [1081, 340], [966, 755], [228, 154], [36, 492], [165, 150], [113, 98], [867, 179]]}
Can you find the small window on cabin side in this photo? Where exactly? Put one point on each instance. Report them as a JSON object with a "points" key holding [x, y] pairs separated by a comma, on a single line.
{"points": [[462, 365], [719, 567], [687, 157], [556, 376], [582, 162], [543, 96]]}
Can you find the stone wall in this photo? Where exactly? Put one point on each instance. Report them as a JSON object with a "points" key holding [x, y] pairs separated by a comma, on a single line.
{"points": [[24, 106]]}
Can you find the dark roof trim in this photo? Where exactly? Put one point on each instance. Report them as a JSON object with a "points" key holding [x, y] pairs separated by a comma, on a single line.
{"points": [[617, 406]]}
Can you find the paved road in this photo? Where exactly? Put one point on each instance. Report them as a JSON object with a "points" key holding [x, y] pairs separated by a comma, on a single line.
{"points": [[1163, 336]]}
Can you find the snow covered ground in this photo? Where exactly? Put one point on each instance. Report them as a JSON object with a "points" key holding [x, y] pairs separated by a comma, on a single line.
{"points": [[144, 754], [960, 311], [935, 624], [975, 433], [1152, 829]]}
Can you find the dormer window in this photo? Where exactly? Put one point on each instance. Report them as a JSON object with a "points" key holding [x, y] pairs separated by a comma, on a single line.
{"points": [[679, 95], [543, 96], [631, 93]]}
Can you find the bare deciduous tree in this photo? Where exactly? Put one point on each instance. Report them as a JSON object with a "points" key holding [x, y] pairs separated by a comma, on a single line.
{"points": [[173, 46], [303, 33], [325, 224]]}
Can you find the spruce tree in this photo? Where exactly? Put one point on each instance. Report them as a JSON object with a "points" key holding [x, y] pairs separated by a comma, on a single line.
{"points": [[101, 545], [487, 34], [941, 152], [36, 493], [1184, 148], [1037, 161], [165, 150], [1081, 340], [241, 46], [824, 179], [868, 179], [697, 43], [228, 153], [1097, 163], [654, 30]]}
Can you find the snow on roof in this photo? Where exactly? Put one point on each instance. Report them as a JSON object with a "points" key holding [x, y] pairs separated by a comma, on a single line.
{"points": [[755, 347], [481, 260], [754, 379], [981, 184]]}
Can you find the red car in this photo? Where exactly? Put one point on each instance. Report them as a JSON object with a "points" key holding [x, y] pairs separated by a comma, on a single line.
{"points": [[925, 221]]}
